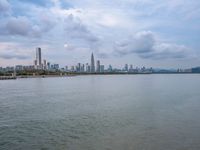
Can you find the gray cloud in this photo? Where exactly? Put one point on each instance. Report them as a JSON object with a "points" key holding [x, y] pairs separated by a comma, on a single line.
{"points": [[145, 45], [4, 6], [75, 29], [13, 56], [142, 42], [25, 27], [18, 26]]}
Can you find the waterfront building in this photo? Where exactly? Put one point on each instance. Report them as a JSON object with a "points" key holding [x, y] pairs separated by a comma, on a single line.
{"points": [[126, 67], [72, 68], [78, 67], [110, 68], [92, 69], [87, 67], [98, 66], [44, 64], [39, 57], [82, 68], [131, 68], [19, 68], [55, 67], [35, 64], [9, 68], [28, 68], [48, 66], [66, 68], [101, 68]]}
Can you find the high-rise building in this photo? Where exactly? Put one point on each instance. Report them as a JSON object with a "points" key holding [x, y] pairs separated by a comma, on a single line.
{"points": [[110, 68], [131, 68], [87, 67], [39, 57], [66, 68], [98, 66], [56, 66], [35, 64], [72, 68], [45, 64], [101, 68], [126, 67], [78, 67], [83, 68], [48, 65], [92, 67]]}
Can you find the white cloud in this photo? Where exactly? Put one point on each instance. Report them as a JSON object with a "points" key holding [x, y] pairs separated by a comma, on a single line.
{"points": [[146, 45]]}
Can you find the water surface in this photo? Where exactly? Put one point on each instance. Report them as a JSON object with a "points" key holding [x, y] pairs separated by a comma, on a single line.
{"points": [[110, 112]]}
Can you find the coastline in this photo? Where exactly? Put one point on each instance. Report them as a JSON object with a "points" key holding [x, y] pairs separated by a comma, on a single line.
{"points": [[85, 74]]}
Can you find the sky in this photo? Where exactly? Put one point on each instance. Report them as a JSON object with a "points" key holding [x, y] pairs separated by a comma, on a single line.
{"points": [[151, 33]]}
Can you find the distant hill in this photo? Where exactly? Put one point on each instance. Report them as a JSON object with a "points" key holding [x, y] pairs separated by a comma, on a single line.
{"points": [[196, 70]]}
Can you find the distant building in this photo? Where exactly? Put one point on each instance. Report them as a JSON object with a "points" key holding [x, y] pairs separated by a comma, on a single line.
{"points": [[82, 68], [39, 57], [44, 64], [31, 67], [78, 67], [87, 67], [66, 68], [126, 67], [92, 69], [19, 68], [55, 66], [9, 69], [131, 68], [48, 66], [35, 64], [72, 68], [98, 66], [101, 68], [110, 68]]}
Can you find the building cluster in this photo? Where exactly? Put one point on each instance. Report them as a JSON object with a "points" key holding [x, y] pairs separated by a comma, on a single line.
{"points": [[43, 65], [92, 67]]}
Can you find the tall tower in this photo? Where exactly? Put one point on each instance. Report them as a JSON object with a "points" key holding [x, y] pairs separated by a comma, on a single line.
{"points": [[98, 66], [92, 69], [39, 56]]}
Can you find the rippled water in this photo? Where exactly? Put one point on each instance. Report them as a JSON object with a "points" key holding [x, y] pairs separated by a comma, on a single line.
{"points": [[119, 112]]}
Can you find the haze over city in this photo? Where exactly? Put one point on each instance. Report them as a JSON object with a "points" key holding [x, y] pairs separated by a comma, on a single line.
{"points": [[152, 33]]}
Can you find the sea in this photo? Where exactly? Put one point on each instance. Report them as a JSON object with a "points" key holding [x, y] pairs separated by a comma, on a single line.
{"points": [[101, 112]]}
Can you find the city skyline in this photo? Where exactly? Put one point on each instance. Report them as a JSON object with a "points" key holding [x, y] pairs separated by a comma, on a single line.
{"points": [[153, 33]]}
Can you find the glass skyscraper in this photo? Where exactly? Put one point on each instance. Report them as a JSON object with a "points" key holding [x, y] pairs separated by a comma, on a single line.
{"points": [[92, 69], [39, 56]]}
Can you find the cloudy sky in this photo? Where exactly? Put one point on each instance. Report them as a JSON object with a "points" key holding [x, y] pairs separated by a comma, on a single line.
{"points": [[157, 33]]}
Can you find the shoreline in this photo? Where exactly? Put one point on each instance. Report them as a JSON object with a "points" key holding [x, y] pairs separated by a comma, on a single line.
{"points": [[85, 74]]}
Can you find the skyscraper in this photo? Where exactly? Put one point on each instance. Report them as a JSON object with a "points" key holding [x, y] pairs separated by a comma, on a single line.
{"points": [[44, 64], [110, 68], [39, 57], [126, 67], [35, 64], [92, 69], [87, 67], [101, 68], [98, 66]]}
